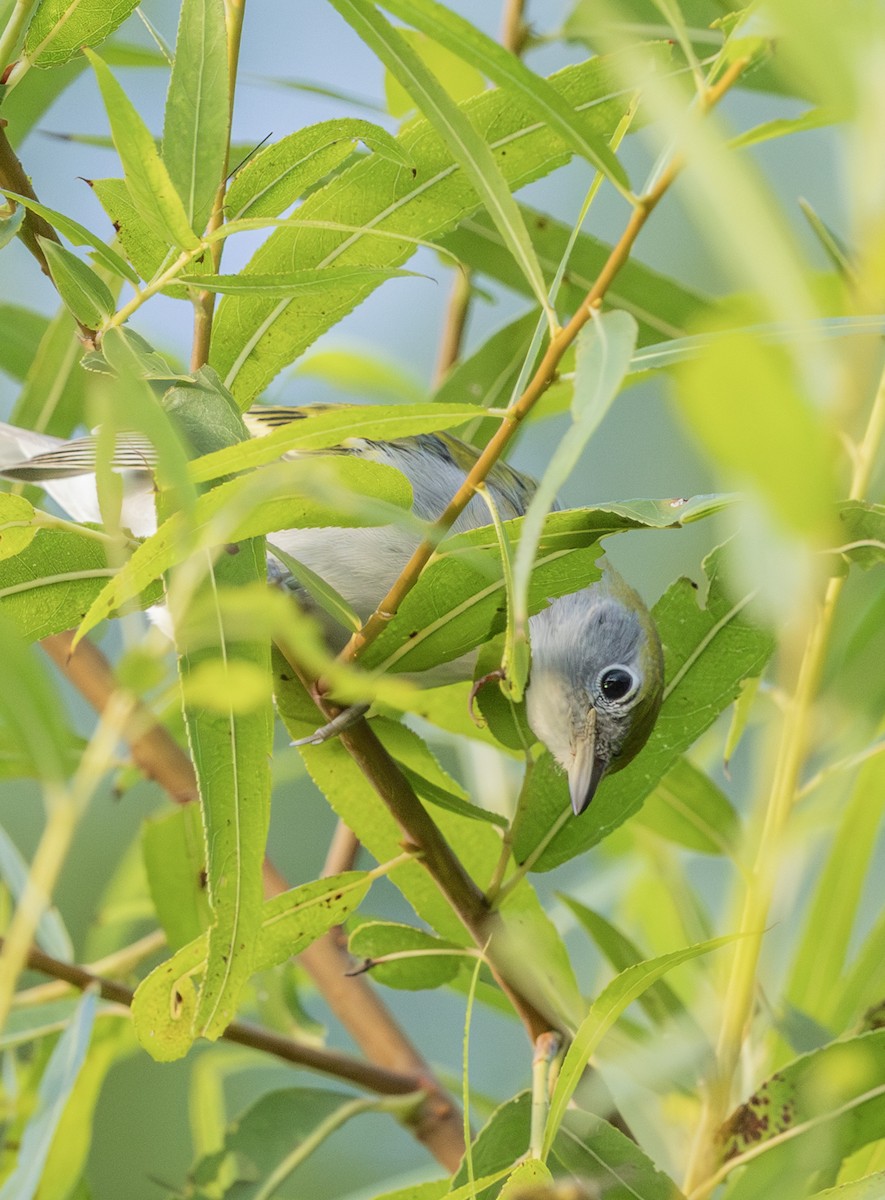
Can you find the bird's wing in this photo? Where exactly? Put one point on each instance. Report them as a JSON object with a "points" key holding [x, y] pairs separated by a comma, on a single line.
{"points": [[78, 457]]}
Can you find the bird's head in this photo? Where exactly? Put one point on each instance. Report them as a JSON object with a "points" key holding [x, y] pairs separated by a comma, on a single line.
{"points": [[596, 681]]}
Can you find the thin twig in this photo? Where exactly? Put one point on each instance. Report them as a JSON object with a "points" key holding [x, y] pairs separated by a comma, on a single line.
{"points": [[453, 326]]}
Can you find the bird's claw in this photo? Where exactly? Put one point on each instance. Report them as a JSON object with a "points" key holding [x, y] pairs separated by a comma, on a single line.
{"points": [[344, 720]]}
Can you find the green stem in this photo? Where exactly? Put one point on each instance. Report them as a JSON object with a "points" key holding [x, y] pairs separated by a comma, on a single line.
{"points": [[762, 878], [14, 31]]}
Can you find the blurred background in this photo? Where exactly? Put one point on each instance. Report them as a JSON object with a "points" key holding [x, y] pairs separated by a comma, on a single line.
{"points": [[290, 53]]}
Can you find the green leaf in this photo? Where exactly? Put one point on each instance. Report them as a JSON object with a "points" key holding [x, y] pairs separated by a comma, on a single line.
{"points": [[23, 330], [862, 529], [290, 495], [253, 339], [824, 1105], [320, 428], [10, 223], [871, 1187], [688, 808], [507, 71], [762, 430], [525, 1179], [61, 28], [56, 1085], [147, 179], [659, 1002], [709, 648], [31, 708], [401, 956], [501, 1143], [294, 283], [488, 376], [468, 147], [277, 175], [17, 527], [195, 129], [604, 350], [362, 374], [662, 307], [146, 250], [86, 294], [50, 934], [460, 80], [814, 118], [604, 1012], [79, 235], [589, 1148], [174, 850], [164, 1007]]}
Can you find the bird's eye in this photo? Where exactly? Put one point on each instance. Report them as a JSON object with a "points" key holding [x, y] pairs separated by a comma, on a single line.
{"points": [[616, 683]]}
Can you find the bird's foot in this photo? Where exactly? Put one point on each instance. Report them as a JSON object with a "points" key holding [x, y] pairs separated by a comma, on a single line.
{"points": [[344, 720], [480, 683]]}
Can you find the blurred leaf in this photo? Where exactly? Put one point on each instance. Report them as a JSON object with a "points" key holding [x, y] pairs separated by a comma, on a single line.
{"points": [[266, 1142], [662, 307], [56, 1086], [488, 376], [362, 374], [415, 959], [277, 175], [740, 717], [591, 1149], [469, 148], [613, 1000], [761, 429], [460, 80], [80, 236], [195, 129], [50, 934], [833, 247], [508, 71], [147, 179], [324, 426], [17, 528], [253, 339], [709, 648], [174, 850], [31, 708], [294, 283], [688, 808], [528, 1178], [62, 28], [829, 1103], [871, 1187], [82, 290], [863, 530], [659, 1002], [814, 118], [278, 498], [10, 222], [22, 331], [164, 1007]]}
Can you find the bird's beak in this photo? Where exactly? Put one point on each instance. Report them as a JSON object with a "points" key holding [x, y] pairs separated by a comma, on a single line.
{"points": [[586, 771]]}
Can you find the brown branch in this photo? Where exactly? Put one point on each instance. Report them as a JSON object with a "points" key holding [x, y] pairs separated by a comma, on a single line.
{"points": [[354, 1001], [514, 30], [453, 326], [540, 381], [14, 179], [301, 1054]]}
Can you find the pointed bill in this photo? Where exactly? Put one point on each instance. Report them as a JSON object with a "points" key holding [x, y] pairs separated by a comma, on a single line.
{"points": [[586, 770]]}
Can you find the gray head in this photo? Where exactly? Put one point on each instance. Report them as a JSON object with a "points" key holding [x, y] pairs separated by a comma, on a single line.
{"points": [[596, 681]]}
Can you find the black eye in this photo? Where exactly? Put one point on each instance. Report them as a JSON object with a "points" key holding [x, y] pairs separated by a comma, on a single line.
{"points": [[616, 683]]}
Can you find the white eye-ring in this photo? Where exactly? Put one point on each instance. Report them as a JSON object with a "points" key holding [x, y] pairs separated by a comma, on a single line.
{"points": [[617, 684]]}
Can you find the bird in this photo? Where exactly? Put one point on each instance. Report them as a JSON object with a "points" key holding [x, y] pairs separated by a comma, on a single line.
{"points": [[596, 680]]}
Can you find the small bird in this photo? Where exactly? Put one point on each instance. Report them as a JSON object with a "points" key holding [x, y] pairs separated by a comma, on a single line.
{"points": [[596, 679]]}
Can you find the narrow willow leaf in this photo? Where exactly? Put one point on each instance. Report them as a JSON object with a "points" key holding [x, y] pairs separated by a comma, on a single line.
{"points": [[165, 1001], [468, 147], [659, 1002], [276, 176], [814, 118], [254, 505], [31, 708], [604, 1012], [821, 1108], [61, 28], [488, 376], [23, 330], [590, 1148], [604, 350], [832, 245], [460, 80], [147, 251], [294, 283], [319, 428], [505, 69], [709, 649], [86, 294], [79, 235], [151, 190], [689, 809], [174, 850], [10, 223], [50, 934], [362, 374], [499, 1145], [254, 339], [54, 1092], [195, 128], [663, 307], [401, 956]]}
